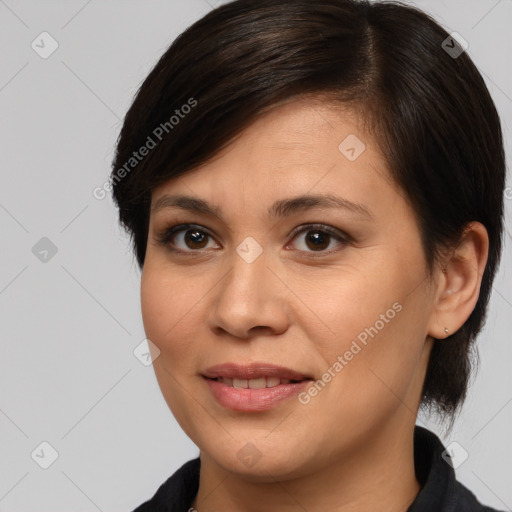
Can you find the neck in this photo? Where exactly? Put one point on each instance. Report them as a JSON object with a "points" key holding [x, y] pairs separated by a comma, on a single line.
{"points": [[377, 475]]}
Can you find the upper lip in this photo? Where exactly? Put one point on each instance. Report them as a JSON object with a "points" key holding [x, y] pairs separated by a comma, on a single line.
{"points": [[253, 370]]}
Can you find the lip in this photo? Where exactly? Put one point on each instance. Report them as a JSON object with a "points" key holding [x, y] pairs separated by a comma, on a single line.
{"points": [[253, 400], [253, 370]]}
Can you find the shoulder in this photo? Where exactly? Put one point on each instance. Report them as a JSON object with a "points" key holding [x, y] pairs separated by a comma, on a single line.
{"points": [[466, 501]]}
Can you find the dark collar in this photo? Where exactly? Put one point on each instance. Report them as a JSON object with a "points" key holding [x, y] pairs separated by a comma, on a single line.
{"points": [[440, 491]]}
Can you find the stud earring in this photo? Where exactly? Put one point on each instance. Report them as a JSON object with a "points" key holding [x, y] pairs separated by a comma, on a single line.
{"points": [[446, 330]]}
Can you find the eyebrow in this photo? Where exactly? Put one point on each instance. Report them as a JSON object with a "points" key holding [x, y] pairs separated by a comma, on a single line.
{"points": [[281, 208]]}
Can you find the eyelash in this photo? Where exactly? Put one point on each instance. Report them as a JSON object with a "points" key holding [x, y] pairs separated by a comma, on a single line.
{"points": [[165, 236]]}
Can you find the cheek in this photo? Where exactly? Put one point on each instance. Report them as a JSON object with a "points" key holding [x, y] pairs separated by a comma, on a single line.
{"points": [[371, 319], [168, 309], [168, 315], [346, 307]]}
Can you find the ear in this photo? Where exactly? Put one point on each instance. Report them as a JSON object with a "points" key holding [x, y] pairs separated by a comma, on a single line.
{"points": [[458, 283]]}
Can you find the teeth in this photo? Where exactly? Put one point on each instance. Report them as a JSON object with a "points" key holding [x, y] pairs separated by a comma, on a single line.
{"points": [[260, 383], [273, 381], [257, 383], [240, 383]]}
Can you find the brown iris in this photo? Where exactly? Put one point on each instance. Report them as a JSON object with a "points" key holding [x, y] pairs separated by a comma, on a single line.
{"points": [[197, 239], [318, 239]]}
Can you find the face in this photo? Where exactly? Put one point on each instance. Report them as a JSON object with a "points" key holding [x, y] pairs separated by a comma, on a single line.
{"points": [[335, 291]]}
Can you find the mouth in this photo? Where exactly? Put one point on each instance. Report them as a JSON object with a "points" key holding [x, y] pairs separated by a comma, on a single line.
{"points": [[254, 371], [253, 387], [255, 383]]}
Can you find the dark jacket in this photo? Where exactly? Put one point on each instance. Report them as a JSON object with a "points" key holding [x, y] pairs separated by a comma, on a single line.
{"points": [[440, 491]]}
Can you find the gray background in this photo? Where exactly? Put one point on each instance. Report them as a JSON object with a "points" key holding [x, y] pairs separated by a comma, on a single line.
{"points": [[71, 320]]}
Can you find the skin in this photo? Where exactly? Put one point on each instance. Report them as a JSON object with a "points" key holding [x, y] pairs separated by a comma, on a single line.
{"points": [[351, 447]]}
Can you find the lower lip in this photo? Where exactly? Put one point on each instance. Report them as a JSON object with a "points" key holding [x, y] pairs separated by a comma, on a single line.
{"points": [[240, 399]]}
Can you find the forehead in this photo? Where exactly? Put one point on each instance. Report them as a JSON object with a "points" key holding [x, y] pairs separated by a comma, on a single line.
{"points": [[299, 147]]}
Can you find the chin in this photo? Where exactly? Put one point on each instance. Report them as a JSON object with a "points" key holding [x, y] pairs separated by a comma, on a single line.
{"points": [[260, 460]]}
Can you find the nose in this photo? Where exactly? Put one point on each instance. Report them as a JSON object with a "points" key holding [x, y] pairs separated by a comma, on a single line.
{"points": [[249, 300]]}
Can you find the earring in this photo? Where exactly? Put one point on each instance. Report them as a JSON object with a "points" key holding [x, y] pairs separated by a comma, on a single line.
{"points": [[446, 330]]}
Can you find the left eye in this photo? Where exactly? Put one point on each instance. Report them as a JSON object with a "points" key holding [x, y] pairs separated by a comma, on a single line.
{"points": [[317, 238]]}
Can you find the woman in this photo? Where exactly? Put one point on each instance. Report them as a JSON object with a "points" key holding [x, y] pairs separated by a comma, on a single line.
{"points": [[314, 189]]}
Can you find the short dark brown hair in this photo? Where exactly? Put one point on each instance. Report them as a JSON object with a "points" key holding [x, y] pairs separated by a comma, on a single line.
{"points": [[430, 110]]}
